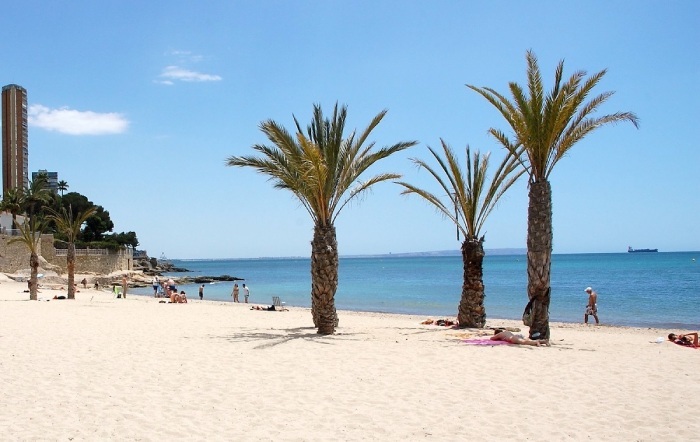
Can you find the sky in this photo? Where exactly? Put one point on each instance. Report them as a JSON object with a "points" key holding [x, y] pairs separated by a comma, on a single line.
{"points": [[137, 105]]}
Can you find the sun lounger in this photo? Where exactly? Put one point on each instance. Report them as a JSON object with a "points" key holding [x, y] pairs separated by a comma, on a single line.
{"points": [[278, 303]]}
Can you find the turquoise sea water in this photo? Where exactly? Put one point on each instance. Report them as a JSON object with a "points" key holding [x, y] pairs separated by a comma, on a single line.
{"points": [[636, 289]]}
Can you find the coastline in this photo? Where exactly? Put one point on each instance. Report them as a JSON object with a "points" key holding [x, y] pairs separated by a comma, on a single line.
{"points": [[104, 368]]}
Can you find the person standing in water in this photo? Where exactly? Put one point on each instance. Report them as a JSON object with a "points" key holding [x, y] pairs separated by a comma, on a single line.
{"points": [[201, 292], [246, 291]]}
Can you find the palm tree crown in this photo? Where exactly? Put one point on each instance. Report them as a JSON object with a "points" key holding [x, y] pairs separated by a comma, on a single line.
{"points": [[320, 168], [548, 126], [471, 197]]}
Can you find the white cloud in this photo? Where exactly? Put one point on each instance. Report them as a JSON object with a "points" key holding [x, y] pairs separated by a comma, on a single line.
{"points": [[171, 73], [73, 122]]}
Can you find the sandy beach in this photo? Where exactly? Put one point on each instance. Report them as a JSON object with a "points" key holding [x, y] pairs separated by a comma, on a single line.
{"points": [[100, 368]]}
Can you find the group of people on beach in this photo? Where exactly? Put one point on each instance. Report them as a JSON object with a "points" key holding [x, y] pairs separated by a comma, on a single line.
{"points": [[168, 289], [235, 292]]}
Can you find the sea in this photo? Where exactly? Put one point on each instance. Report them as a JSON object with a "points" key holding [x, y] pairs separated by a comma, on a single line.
{"points": [[659, 290]]}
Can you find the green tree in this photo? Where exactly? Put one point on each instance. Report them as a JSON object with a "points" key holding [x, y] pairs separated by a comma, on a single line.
{"points": [[30, 235], [62, 186], [321, 169], [97, 225], [13, 202], [546, 126], [70, 225], [470, 199]]}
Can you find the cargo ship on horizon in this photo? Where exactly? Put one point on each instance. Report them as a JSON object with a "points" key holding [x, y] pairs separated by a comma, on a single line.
{"points": [[631, 250]]}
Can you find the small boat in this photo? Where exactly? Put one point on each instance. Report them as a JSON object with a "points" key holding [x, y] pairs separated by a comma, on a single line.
{"points": [[631, 250]]}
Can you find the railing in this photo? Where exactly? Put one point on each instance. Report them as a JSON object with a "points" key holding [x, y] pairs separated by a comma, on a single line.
{"points": [[94, 252]]}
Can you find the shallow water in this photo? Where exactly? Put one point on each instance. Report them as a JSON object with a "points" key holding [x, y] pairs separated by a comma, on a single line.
{"points": [[637, 289]]}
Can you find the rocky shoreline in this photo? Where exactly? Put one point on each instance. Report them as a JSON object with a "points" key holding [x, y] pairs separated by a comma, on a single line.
{"points": [[141, 276], [150, 267]]}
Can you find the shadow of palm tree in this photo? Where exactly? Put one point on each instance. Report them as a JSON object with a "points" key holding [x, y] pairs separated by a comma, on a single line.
{"points": [[274, 337]]}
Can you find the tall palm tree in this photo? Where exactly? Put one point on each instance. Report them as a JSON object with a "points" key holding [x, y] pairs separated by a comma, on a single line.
{"points": [[30, 235], [13, 201], [470, 200], [321, 169], [70, 226], [546, 127], [62, 186]]}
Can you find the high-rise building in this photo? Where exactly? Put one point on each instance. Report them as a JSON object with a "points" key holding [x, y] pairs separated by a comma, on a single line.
{"points": [[51, 179], [15, 147]]}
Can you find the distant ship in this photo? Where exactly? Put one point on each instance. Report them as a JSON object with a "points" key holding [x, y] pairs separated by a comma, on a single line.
{"points": [[631, 250]]}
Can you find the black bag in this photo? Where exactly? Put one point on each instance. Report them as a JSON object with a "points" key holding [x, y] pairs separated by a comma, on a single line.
{"points": [[527, 313]]}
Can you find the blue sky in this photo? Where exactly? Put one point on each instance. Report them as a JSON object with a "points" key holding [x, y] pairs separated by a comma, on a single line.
{"points": [[137, 105]]}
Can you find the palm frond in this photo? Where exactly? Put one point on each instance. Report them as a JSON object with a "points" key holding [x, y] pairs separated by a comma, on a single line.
{"points": [[546, 126], [470, 196], [320, 165]]}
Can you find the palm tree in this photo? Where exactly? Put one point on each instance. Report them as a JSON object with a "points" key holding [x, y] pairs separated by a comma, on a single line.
{"points": [[36, 195], [30, 235], [322, 169], [62, 186], [13, 201], [546, 127], [70, 226], [471, 200]]}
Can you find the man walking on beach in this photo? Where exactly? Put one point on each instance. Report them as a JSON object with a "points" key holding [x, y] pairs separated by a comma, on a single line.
{"points": [[246, 292], [592, 307], [201, 292]]}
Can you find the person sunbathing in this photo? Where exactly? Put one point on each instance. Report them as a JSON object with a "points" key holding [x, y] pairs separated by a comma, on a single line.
{"points": [[684, 339], [258, 307], [505, 335]]}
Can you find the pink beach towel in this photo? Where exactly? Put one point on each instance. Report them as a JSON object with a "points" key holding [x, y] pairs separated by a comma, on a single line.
{"points": [[484, 341]]}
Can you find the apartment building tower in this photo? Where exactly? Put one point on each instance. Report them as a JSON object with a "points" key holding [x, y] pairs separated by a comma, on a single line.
{"points": [[15, 148]]}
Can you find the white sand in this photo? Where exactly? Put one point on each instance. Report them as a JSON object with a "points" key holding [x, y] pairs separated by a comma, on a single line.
{"points": [[100, 368]]}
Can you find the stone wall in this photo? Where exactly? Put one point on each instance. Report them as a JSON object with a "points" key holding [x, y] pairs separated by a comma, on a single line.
{"points": [[99, 264], [14, 256]]}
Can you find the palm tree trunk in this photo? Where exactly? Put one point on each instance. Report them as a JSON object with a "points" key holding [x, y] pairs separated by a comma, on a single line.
{"points": [[70, 264], [471, 307], [324, 279], [539, 255], [34, 266]]}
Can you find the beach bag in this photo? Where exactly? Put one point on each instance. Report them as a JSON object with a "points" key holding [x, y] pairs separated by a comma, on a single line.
{"points": [[527, 313]]}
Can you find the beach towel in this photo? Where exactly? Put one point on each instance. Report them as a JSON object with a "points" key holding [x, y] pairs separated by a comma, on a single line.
{"points": [[484, 341]]}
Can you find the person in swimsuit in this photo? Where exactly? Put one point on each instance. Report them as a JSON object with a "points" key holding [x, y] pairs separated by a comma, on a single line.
{"points": [[688, 339], [505, 335], [235, 292], [592, 306]]}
